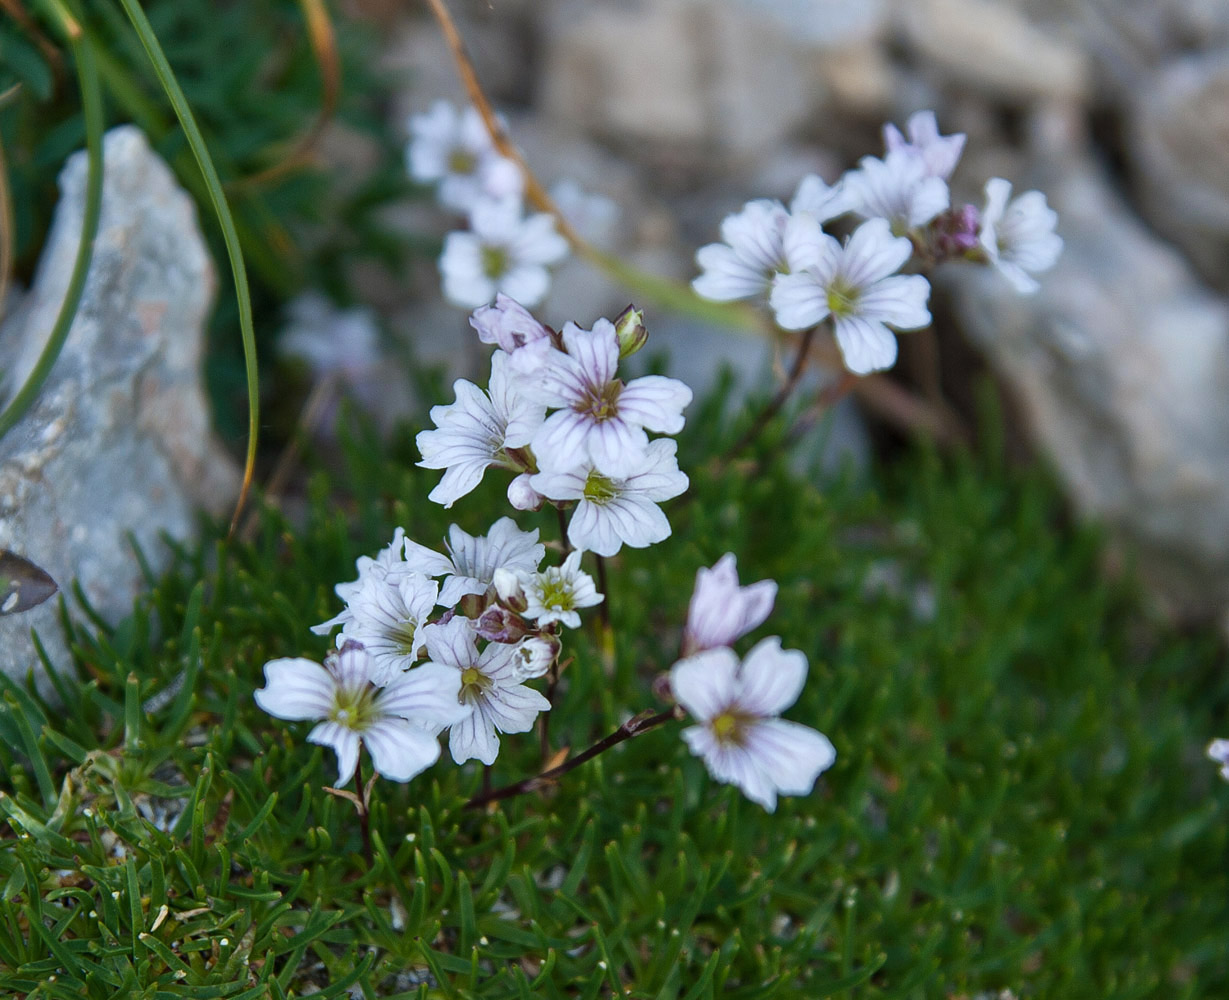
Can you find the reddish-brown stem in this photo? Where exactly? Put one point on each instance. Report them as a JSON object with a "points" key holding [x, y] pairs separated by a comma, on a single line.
{"points": [[364, 814], [774, 406], [633, 727]]}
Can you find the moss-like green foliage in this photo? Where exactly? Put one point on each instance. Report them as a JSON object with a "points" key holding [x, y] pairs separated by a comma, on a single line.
{"points": [[1020, 798]]}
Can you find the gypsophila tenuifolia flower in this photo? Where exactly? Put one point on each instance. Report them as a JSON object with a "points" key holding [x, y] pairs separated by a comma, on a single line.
{"points": [[558, 592], [1218, 750], [856, 285], [751, 252], [455, 151], [601, 419], [1018, 237], [391, 555], [477, 432], [387, 615], [896, 188], [938, 153], [508, 324], [721, 612], [504, 251], [522, 495], [491, 692], [469, 567], [738, 736], [396, 723], [534, 655], [815, 197], [615, 511]]}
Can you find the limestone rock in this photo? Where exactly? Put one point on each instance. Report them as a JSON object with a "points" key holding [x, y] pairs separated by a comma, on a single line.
{"points": [[1181, 149], [119, 441], [1121, 366]]}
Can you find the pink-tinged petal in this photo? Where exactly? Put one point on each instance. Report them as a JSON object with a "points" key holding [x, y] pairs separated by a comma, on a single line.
{"points": [[427, 693], [451, 643], [560, 444], [474, 736], [655, 402], [798, 300], [596, 351], [616, 448], [771, 678], [898, 301], [352, 667], [704, 684], [399, 749], [296, 688], [793, 755], [345, 743], [873, 253], [865, 345]]}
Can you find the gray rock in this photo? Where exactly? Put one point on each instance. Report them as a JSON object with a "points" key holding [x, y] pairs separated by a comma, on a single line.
{"points": [[119, 441], [1180, 146], [1121, 367]]}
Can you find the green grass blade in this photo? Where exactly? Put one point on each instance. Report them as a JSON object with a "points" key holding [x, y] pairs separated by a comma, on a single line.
{"points": [[91, 103], [230, 235]]}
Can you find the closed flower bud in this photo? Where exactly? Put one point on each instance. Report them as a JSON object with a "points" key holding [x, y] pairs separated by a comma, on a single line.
{"points": [[508, 587], [631, 331], [498, 624]]}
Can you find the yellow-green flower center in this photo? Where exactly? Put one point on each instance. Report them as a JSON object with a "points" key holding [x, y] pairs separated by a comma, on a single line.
{"points": [[557, 594], [354, 709], [473, 683], [599, 488], [494, 261], [402, 637], [461, 161], [843, 298], [603, 401], [727, 727]]}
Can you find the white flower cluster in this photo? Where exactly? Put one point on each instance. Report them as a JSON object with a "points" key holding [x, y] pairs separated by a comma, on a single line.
{"points": [[736, 704], [505, 249], [808, 276], [575, 433]]}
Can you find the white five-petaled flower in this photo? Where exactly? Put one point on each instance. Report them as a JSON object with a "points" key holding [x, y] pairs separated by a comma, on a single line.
{"points": [[386, 618], [817, 198], [504, 251], [555, 594], [939, 153], [456, 151], [1218, 750], [392, 555], [721, 611], [601, 419], [751, 252], [396, 723], [491, 693], [739, 736], [856, 285], [476, 432], [469, 567], [508, 324], [897, 188], [615, 511], [1019, 237]]}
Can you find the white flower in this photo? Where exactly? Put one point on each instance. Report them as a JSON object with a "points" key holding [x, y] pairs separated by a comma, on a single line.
{"points": [[594, 216], [508, 324], [1019, 237], [457, 151], [388, 557], [522, 495], [896, 188], [555, 594], [476, 432], [491, 692], [612, 512], [721, 611], [504, 252], [601, 419], [386, 618], [739, 737], [332, 341], [938, 153], [818, 199], [742, 266], [856, 285], [469, 567], [393, 722], [1218, 750]]}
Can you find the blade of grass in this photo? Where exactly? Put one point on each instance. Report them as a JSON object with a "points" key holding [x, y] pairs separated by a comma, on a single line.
{"points": [[230, 235], [91, 104]]}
